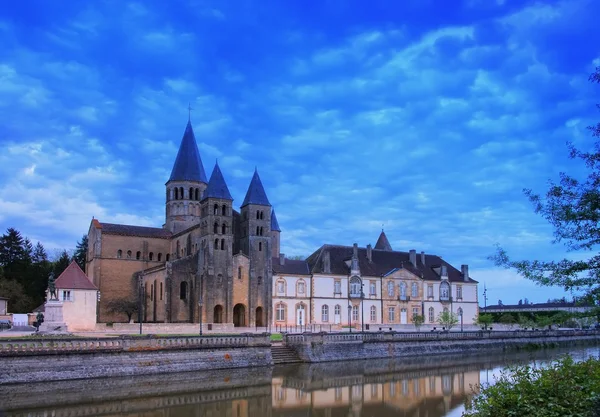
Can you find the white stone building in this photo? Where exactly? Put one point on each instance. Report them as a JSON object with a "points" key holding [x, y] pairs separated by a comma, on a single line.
{"points": [[348, 286]]}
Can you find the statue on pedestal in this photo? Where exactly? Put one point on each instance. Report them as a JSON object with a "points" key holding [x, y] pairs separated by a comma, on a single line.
{"points": [[52, 288]]}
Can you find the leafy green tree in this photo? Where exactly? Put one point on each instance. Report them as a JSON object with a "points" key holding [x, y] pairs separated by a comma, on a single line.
{"points": [[572, 207], [507, 319], [81, 252], [61, 263], [418, 321], [18, 300], [484, 320], [447, 319], [526, 322]]}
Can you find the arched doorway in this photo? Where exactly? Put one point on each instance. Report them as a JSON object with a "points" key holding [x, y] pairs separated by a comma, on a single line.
{"points": [[218, 314], [259, 317], [239, 315]]}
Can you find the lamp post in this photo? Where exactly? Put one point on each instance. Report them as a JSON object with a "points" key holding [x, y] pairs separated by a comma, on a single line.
{"points": [[140, 297], [200, 314], [461, 322], [362, 307], [350, 317]]}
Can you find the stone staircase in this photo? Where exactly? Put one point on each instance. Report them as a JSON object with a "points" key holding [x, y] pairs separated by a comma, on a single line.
{"points": [[284, 354]]}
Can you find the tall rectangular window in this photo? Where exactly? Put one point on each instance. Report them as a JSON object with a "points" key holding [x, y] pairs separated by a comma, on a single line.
{"points": [[416, 311], [430, 291], [337, 287], [459, 292], [391, 314], [372, 288]]}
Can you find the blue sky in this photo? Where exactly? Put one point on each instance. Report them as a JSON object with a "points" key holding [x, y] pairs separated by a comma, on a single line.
{"points": [[427, 117]]}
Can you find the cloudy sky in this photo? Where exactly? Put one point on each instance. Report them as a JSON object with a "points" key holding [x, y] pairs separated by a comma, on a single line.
{"points": [[428, 117]]}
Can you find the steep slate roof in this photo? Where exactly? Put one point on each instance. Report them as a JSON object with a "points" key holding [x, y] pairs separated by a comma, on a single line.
{"points": [[73, 278], [256, 193], [274, 222], [383, 262], [383, 243], [292, 267], [188, 164], [217, 187], [140, 231]]}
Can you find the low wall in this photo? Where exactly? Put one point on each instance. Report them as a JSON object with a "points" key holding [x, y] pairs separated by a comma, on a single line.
{"points": [[340, 347], [49, 359], [165, 328]]}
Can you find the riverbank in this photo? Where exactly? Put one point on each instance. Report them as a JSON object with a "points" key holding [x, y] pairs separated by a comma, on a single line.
{"points": [[61, 358]]}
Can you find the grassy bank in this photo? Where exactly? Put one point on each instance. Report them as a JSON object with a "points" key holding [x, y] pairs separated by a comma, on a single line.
{"points": [[562, 389]]}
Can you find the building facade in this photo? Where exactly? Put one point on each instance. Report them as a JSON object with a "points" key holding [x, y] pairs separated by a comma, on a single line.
{"points": [[209, 262], [374, 287]]}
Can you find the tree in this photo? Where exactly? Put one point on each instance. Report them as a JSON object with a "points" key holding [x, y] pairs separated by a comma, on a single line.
{"points": [[15, 255], [500, 303], [123, 306], [484, 320], [447, 319], [507, 319], [81, 252], [61, 263], [418, 321], [572, 207]]}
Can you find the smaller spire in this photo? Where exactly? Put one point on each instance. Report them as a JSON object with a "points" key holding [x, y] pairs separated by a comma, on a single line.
{"points": [[274, 222], [383, 243], [217, 187], [256, 192]]}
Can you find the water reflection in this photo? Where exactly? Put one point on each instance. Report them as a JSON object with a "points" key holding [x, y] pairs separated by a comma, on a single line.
{"points": [[419, 387]]}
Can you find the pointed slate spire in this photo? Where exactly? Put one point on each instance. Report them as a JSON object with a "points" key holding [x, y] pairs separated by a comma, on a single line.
{"points": [[256, 193], [217, 187], [383, 243], [188, 164], [274, 222]]}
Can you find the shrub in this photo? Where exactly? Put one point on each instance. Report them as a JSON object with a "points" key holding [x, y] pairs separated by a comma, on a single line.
{"points": [[562, 389]]}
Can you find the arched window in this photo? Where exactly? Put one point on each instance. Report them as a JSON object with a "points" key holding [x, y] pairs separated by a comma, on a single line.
{"points": [[167, 257], [259, 280], [216, 228], [168, 194], [191, 193], [224, 228], [216, 243], [197, 194], [460, 312], [355, 287], [355, 313], [240, 272], [431, 315], [259, 246], [222, 244], [181, 195], [261, 231], [280, 312], [151, 256], [444, 291], [151, 292], [403, 290], [176, 193], [446, 310], [337, 310], [414, 290], [119, 253], [257, 214], [325, 313], [183, 291], [159, 258], [216, 209], [257, 230], [129, 254], [373, 314], [390, 288], [224, 210]]}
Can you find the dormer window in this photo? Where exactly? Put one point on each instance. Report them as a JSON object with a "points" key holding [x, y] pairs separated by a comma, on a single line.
{"points": [[355, 287]]}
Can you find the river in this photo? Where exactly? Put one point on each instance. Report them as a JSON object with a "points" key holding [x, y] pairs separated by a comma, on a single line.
{"points": [[423, 387]]}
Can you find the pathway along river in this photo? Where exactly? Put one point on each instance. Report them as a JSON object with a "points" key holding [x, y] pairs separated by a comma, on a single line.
{"points": [[436, 386]]}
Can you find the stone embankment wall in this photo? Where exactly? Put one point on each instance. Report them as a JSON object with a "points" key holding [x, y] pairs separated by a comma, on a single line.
{"points": [[351, 346], [46, 359]]}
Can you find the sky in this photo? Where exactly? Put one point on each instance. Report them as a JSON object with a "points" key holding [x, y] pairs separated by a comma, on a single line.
{"points": [[427, 118]]}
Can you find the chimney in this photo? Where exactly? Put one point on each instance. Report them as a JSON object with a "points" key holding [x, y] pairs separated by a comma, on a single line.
{"points": [[282, 259], [444, 272], [423, 258], [326, 263], [369, 253], [412, 255], [465, 272]]}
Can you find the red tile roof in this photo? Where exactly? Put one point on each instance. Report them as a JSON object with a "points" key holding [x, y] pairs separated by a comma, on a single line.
{"points": [[73, 278]]}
